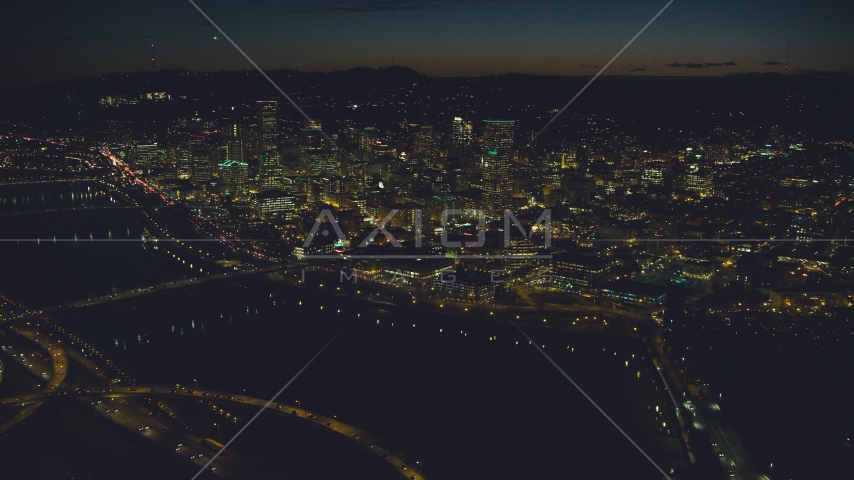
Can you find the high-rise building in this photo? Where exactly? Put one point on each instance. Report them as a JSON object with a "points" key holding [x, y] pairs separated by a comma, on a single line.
{"points": [[201, 166], [274, 204], [498, 136], [654, 172], [271, 172], [461, 135], [265, 117], [144, 154], [311, 137], [322, 163], [316, 156], [576, 272], [183, 164], [234, 178], [699, 180], [351, 134], [496, 166], [368, 141], [426, 143], [235, 146]]}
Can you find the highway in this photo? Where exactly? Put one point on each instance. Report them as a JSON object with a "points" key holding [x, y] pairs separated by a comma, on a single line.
{"points": [[706, 417], [134, 416], [113, 403], [356, 435], [55, 374], [136, 292]]}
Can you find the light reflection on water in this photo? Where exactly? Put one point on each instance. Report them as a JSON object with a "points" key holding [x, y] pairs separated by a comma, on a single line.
{"points": [[445, 397]]}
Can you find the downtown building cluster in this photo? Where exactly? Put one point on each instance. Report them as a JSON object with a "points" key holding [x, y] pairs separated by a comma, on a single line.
{"points": [[741, 218]]}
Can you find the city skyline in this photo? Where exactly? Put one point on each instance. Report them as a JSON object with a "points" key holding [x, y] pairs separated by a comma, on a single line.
{"points": [[345, 239]]}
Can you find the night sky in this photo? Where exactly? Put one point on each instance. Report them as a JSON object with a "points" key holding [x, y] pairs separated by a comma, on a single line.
{"points": [[49, 40]]}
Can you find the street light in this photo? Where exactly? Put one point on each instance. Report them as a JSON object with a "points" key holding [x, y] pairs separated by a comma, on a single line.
{"points": [[420, 465], [298, 405], [770, 467]]}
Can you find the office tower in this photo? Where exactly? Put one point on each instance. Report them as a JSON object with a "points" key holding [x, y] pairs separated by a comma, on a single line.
{"points": [[368, 140], [311, 137], [201, 166], [351, 135], [579, 273], [317, 158], [235, 143], [498, 135], [654, 172], [265, 118], [700, 180], [183, 164], [274, 204], [271, 172], [426, 143], [234, 178], [496, 163], [144, 154], [461, 135], [322, 163]]}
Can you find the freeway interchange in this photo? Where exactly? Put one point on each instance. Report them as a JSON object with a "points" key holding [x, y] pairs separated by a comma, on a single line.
{"points": [[124, 406]]}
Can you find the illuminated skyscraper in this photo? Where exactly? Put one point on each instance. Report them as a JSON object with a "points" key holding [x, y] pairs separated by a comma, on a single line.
{"points": [[184, 165], [654, 172], [271, 172], [235, 148], [496, 163], [144, 154], [201, 166], [311, 136], [498, 136], [426, 143], [316, 156], [699, 180], [461, 135], [265, 115], [234, 177], [368, 140]]}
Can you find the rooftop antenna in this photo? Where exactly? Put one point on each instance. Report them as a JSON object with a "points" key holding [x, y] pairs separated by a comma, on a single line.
{"points": [[152, 57], [787, 57], [392, 58]]}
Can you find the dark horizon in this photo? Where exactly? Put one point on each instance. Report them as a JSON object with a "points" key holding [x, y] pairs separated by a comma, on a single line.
{"points": [[388, 68], [439, 38]]}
